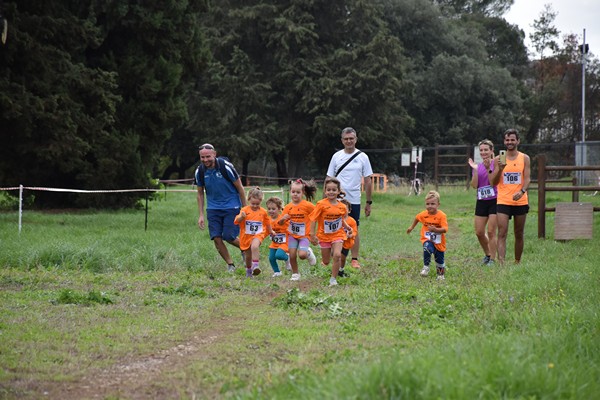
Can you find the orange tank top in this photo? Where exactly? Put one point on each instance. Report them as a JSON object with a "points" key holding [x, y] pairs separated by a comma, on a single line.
{"points": [[511, 182]]}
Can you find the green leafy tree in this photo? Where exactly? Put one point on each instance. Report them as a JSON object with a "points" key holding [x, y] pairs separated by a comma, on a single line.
{"points": [[90, 91], [314, 67]]}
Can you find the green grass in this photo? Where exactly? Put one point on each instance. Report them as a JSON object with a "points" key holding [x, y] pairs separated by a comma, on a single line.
{"points": [[82, 292]]}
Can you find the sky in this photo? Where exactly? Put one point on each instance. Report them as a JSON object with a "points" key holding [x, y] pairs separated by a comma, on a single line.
{"points": [[572, 17]]}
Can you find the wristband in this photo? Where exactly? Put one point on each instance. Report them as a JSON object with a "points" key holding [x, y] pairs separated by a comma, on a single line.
{"points": [[369, 202]]}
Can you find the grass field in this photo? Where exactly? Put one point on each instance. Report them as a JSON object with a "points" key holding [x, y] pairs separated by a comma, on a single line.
{"points": [[93, 306]]}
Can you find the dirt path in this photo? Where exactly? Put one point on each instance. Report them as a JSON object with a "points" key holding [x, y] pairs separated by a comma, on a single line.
{"points": [[134, 378]]}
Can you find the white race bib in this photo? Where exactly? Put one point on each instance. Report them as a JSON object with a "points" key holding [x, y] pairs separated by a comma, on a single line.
{"points": [[254, 227], [434, 237], [297, 228], [485, 192], [332, 226], [279, 238], [512, 178]]}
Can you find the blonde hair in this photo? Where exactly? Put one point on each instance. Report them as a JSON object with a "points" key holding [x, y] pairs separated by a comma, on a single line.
{"points": [[275, 200], [255, 193], [487, 142], [432, 194]]}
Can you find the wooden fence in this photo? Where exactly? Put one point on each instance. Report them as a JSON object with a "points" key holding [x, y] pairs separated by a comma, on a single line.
{"points": [[542, 189]]}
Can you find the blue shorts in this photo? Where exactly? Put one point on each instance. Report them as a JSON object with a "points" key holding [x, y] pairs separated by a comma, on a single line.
{"points": [[220, 224], [355, 213]]}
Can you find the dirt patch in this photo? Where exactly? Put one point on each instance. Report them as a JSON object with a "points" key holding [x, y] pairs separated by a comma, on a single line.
{"points": [[135, 378]]}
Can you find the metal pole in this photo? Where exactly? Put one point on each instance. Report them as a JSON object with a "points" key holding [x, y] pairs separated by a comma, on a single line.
{"points": [[583, 55], [146, 216], [20, 207]]}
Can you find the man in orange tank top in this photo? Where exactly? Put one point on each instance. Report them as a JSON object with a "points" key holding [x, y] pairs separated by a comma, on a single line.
{"points": [[512, 177]]}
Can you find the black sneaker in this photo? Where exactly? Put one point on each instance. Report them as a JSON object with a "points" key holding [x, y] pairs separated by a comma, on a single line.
{"points": [[486, 260], [342, 273]]}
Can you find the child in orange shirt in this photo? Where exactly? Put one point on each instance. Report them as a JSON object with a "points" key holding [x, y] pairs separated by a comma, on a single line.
{"points": [[296, 214], [348, 243], [433, 234], [255, 226], [330, 215], [278, 248], [350, 237]]}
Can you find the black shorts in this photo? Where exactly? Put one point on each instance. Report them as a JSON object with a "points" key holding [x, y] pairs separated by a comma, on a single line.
{"points": [[512, 210], [483, 208]]}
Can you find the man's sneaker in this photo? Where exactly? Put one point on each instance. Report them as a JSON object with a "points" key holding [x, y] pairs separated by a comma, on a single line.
{"points": [[312, 260], [332, 282], [248, 272], [355, 264], [288, 266], [490, 263], [256, 270], [231, 268], [276, 274], [486, 260], [342, 273], [425, 270], [441, 278], [295, 277]]}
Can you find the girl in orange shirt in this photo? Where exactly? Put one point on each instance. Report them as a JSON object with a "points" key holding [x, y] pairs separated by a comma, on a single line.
{"points": [[278, 248], [350, 238], [255, 225], [296, 215], [330, 215]]}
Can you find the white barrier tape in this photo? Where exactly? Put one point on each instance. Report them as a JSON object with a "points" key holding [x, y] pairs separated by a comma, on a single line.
{"points": [[111, 191]]}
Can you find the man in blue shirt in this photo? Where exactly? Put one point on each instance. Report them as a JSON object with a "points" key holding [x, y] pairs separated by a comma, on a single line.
{"points": [[225, 195]]}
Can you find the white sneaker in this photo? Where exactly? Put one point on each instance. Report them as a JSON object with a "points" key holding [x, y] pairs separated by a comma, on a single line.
{"points": [[441, 278], [295, 277], [425, 270], [288, 265], [276, 274], [332, 282], [312, 260]]}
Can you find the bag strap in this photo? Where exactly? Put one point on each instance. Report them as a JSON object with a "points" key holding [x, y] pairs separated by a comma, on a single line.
{"points": [[347, 162]]}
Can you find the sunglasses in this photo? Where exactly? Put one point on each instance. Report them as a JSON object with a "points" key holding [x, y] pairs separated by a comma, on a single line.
{"points": [[206, 146]]}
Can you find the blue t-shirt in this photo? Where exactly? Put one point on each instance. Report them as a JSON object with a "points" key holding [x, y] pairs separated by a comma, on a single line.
{"points": [[220, 192]]}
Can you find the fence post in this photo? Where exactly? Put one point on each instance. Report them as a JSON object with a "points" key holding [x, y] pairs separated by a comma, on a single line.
{"points": [[435, 167], [20, 207], [575, 194], [541, 196], [146, 214], [468, 168]]}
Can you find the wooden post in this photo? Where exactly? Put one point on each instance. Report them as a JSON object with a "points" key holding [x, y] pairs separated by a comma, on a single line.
{"points": [[541, 196], [436, 165], [575, 194], [468, 168]]}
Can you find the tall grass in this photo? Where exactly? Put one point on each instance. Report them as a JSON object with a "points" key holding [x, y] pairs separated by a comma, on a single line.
{"points": [[82, 291]]}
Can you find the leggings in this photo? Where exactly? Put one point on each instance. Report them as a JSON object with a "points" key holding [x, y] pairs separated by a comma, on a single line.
{"points": [[274, 255]]}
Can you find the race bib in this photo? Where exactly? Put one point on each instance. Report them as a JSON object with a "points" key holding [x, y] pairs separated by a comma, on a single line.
{"points": [[434, 237], [279, 238], [512, 178], [485, 192], [297, 228], [332, 226], [254, 227]]}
